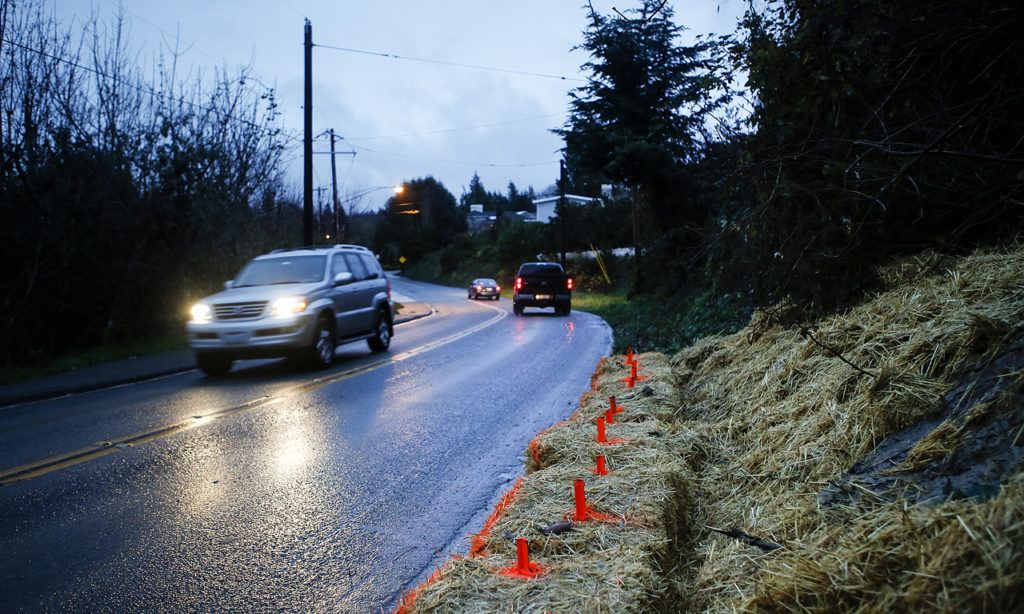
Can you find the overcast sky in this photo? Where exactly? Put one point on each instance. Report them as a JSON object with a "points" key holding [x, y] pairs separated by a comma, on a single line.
{"points": [[405, 119]]}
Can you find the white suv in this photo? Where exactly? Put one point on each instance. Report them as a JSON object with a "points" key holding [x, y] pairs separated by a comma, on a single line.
{"points": [[296, 302]]}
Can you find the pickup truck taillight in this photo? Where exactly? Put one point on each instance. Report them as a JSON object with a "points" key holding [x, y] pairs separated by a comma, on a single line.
{"points": [[519, 283], [568, 283]]}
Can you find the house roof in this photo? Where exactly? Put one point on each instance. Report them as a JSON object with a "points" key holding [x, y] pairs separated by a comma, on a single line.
{"points": [[573, 197]]}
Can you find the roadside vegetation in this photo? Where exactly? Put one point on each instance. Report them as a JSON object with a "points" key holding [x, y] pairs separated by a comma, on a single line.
{"points": [[97, 355], [127, 187]]}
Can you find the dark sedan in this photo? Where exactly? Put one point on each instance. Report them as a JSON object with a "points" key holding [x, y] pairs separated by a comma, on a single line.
{"points": [[484, 288]]}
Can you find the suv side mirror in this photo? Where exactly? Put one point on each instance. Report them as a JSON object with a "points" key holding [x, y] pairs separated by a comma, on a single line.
{"points": [[229, 284], [343, 278]]}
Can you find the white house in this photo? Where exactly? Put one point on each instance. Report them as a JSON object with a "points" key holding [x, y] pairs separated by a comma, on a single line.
{"points": [[546, 206]]}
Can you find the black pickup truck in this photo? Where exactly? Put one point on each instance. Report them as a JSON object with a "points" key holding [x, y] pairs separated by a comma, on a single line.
{"points": [[542, 284]]}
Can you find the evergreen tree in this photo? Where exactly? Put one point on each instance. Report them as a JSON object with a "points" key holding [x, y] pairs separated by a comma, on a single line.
{"points": [[476, 194], [641, 115]]}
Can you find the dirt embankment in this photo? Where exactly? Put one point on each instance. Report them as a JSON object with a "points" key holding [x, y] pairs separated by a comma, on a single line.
{"points": [[871, 461]]}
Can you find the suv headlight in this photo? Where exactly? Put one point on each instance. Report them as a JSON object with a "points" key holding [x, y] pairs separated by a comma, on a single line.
{"points": [[200, 312], [288, 306]]}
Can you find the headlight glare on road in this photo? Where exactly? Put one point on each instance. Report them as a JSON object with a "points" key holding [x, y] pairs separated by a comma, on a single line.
{"points": [[200, 312], [288, 306]]}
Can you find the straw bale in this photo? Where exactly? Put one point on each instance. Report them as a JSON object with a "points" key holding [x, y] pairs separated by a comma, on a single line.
{"points": [[652, 400], [612, 583], [616, 564], [613, 566]]}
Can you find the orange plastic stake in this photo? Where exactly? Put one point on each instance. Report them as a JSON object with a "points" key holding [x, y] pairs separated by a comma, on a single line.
{"points": [[612, 405], [522, 554], [583, 512], [581, 501], [630, 381], [629, 355], [609, 417], [601, 469], [632, 371], [523, 567], [600, 431]]}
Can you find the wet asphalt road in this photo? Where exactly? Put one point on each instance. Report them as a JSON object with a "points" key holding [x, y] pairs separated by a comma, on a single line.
{"points": [[286, 490]]}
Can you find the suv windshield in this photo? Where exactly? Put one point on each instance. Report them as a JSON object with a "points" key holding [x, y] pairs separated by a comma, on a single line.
{"points": [[288, 270]]}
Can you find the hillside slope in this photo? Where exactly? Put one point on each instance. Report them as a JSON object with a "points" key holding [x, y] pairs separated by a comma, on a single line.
{"points": [[881, 447], [869, 462]]}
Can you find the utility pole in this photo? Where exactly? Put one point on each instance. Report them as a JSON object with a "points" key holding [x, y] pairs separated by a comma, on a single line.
{"points": [[320, 211], [307, 145], [334, 187]]}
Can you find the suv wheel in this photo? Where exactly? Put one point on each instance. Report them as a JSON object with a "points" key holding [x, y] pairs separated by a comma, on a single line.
{"points": [[214, 366], [381, 339], [321, 352]]}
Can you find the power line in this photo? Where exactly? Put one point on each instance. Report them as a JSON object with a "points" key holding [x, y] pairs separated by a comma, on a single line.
{"points": [[466, 162], [293, 9], [394, 56], [461, 129], [152, 92], [193, 46]]}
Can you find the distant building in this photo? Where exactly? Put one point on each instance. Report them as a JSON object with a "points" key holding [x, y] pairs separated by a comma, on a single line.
{"points": [[523, 216], [478, 221], [546, 206]]}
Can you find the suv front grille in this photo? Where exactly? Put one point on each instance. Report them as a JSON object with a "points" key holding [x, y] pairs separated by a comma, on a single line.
{"points": [[239, 311]]}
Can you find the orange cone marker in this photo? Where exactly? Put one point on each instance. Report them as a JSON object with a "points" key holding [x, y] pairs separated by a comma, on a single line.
{"points": [[609, 417], [601, 468], [612, 405]]}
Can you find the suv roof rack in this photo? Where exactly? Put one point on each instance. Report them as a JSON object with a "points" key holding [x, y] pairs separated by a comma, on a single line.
{"points": [[349, 246]]}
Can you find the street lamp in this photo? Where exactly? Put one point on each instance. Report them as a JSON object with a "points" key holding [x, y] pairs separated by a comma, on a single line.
{"points": [[397, 189]]}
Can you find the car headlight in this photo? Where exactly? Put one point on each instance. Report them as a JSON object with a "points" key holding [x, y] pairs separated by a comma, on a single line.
{"points": [[288, 306], [200, 312]]}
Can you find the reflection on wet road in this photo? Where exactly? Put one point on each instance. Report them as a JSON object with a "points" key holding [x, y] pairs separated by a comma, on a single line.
{"points": [[287, 490]]}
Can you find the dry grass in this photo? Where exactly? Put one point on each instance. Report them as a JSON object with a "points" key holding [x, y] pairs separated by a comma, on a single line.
{"points": [[782, 417]]}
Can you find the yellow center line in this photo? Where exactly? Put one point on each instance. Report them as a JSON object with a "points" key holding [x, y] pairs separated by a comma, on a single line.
{"points": [[103, 448]]}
